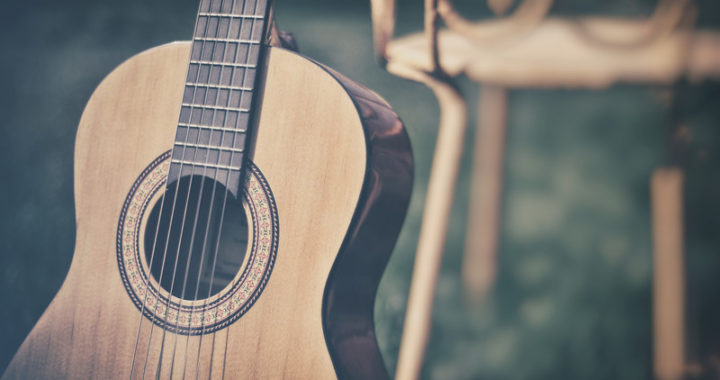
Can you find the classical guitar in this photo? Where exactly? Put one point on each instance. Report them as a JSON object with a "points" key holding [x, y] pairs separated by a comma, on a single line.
{"points": [[236, 206]]}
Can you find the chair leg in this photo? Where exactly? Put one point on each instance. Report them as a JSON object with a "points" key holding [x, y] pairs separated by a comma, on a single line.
{"points": [[669, 274], [433, 232], [483, 228]]}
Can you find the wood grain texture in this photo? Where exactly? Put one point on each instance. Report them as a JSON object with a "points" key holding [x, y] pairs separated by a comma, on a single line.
{"points": [[311, 148]]}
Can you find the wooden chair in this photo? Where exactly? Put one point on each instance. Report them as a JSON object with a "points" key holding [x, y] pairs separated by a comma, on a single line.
{"points": [[528, 49]]}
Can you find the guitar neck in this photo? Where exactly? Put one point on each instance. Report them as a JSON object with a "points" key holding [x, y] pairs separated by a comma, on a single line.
{"points": [[219, 96]]}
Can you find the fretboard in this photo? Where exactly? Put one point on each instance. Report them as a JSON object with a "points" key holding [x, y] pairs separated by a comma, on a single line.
{"points": [[218, 99]]}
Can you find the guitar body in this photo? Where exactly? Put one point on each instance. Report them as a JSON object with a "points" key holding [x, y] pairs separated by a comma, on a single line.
{"points": [[330, 184]]}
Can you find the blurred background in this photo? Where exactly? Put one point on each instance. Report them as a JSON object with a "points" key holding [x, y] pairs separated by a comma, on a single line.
{"points": [[573, 294]]}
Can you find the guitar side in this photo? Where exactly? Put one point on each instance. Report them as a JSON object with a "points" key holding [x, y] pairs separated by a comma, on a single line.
{"points": [[339, 166]]}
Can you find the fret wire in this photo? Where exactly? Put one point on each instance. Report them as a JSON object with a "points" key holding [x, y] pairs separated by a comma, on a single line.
{"points": [[208, 127], [217, 39], [213, 14], [216, 166], [229, 64], [236, 109], [257, 29], [188, 145], [219, 86]]}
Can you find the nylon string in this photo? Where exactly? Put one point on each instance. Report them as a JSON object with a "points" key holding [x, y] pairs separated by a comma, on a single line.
{"points": [[195, 222], [155, 240], [253, 22], [185, 209], [212, 196], [245, 10]]}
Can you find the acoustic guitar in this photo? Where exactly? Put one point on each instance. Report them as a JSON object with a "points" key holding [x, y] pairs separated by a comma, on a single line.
{"points": [[236, 206]]}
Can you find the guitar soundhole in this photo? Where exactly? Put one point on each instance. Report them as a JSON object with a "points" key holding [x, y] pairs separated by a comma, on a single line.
{"points": [[195, 256]]}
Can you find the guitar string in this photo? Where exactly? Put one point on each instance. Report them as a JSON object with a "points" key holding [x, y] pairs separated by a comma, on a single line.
{"points": [[244, 10], [185, 209], [259, 7], [152, 255], [207, 227], [197, 213], [170, 224], [212, 193], [253, 23], [182, 226], [155, 241]]}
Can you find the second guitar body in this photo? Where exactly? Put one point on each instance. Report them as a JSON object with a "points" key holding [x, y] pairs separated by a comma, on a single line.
{"points": [[327, 183]]}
